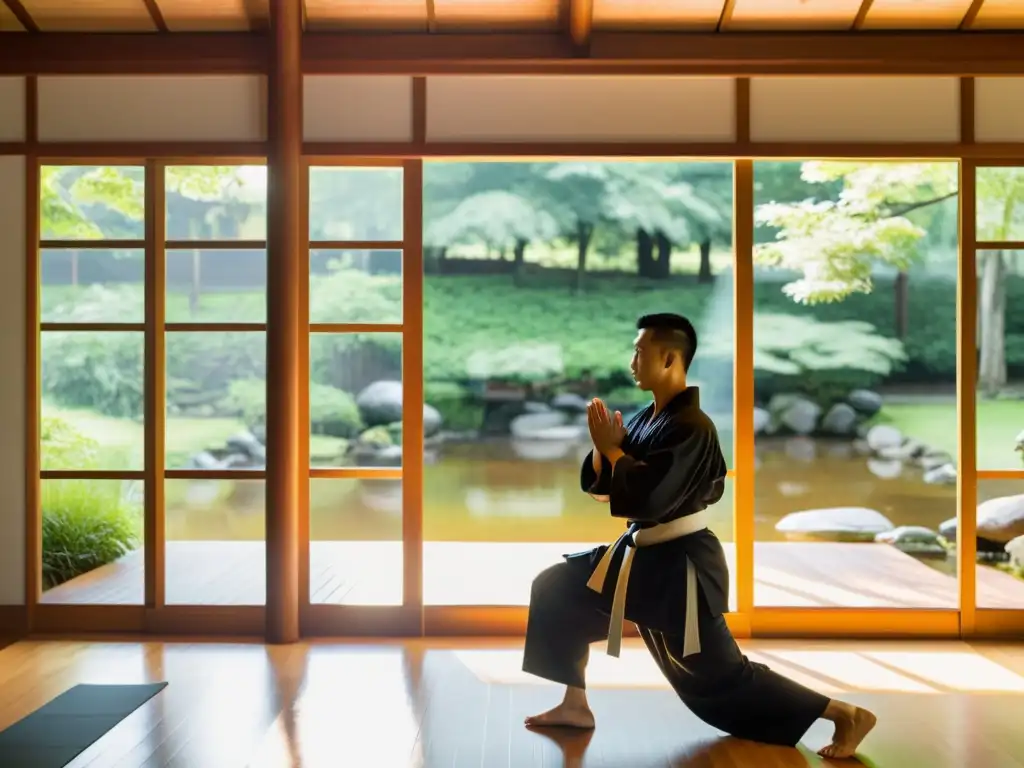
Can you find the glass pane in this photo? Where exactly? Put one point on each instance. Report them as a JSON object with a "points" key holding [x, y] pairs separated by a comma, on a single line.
{"points": [[855, 382], [355, 400], [216, 542], [92, 388], [1000, 574], [355, 549], [216, 202], [92, 202], [524, 321], [1000, 204], [92, 542], [1000, 393], [363, 204], [355, 286], [216, 400], [92, 286], [216, 286]]}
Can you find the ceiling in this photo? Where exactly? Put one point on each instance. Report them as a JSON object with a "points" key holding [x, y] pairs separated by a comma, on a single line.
{"points": [[513, 15]]}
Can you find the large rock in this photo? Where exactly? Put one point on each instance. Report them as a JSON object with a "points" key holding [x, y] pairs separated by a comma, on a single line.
{"points": [[834, 524], [380, 404], [985, 546], [546, 426], [432, 420], [914, 540], [762, 420], [801, 416], [1001, 520], [865, 401], [934, 459], [944, 475], [947, 530], [882, 436], [247, 444], [840, 420], [1015, 549], [910, 449]]}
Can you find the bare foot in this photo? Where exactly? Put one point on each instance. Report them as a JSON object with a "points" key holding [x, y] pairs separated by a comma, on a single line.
{"points": [[563, 716], [851, 728]]}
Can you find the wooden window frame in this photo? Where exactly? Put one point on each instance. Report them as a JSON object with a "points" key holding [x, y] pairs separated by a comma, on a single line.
{"points": [[413, 618]]}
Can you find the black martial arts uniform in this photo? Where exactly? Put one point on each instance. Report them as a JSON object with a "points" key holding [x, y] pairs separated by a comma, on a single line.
{"points": [[673, 468]]}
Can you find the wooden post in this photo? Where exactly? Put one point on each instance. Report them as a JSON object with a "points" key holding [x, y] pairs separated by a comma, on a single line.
{"points": [[284, 236]]}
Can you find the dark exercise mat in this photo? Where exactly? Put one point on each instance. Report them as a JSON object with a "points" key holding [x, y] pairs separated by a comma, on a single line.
{"points": [[56, 733]]}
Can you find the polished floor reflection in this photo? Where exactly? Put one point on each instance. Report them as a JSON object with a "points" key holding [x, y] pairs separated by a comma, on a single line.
{"points": [[437, 704]]}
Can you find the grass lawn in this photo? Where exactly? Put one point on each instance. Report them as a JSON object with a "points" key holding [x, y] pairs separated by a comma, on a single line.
{"points": [[935, 424], [121, 441]]}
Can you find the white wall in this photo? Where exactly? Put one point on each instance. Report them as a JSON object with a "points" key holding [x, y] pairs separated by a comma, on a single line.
{"points": [[152, 108], [12, 383]]}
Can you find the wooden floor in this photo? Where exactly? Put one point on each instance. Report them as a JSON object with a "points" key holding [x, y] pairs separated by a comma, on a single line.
{"points": [[791, 574], [456, 704]]}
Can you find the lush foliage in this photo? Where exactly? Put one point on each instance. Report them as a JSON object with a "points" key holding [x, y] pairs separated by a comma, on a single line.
{"points": [[835, 243], [86, 523]]}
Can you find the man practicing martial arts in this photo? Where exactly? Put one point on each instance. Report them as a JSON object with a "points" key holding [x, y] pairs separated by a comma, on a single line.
{"points": [[660, 473]]}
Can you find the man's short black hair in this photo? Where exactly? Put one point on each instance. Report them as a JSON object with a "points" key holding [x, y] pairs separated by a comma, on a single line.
{"points": [[672, 331]]}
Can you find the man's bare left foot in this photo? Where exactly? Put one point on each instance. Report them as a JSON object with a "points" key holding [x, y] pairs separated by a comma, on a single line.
{"points": [[851, 728], [563, 716]]}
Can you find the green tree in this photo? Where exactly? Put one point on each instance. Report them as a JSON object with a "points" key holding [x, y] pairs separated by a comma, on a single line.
{"points": [[499, 220], [833, 244], [211, 201], [1000, 206]]}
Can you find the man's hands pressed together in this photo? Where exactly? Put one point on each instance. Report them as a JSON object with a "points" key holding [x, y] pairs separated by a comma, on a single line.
{"points": [[606, 430]]}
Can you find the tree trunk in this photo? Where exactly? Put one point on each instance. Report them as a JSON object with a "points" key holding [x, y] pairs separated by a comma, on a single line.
{"points": [[196, 286], [663, 265], [584, 231], [644, 254], [992, 323], [193, 294], [902, 304], [518, 261], [705, 275]]}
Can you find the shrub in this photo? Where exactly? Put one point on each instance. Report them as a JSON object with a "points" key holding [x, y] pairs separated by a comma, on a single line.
{"points": [[86, 524], [459, 410]]}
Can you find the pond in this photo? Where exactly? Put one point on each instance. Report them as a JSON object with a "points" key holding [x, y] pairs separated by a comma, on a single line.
{"points": [[500, 489]]}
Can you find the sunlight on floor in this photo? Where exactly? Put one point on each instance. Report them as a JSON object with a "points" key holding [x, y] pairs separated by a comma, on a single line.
{"points": [[379, 728], [938, 672]]}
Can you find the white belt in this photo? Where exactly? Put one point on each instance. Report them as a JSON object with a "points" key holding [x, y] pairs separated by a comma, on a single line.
{"points": [[645, 537]]}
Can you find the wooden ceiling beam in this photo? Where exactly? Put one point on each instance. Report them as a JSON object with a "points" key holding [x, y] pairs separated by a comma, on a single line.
{"points": [[740, 55], [22, 15], [862, 15], [725, 17], [581, 21], [972, 14], [156, 15], [431, 16]]}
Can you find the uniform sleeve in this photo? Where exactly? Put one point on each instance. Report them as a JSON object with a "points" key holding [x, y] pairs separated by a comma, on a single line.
{"points": [[682, 474], [590, 481]]}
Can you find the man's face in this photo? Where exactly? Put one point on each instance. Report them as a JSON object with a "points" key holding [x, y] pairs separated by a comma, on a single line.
{"points": [[648, 363]]}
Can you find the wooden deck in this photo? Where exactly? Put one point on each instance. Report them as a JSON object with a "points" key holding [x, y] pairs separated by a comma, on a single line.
{"points": [[792, 574], [382, 705]]}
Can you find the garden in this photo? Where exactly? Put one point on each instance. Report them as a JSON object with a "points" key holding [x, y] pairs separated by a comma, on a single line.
{"points": [[534, 276]]}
